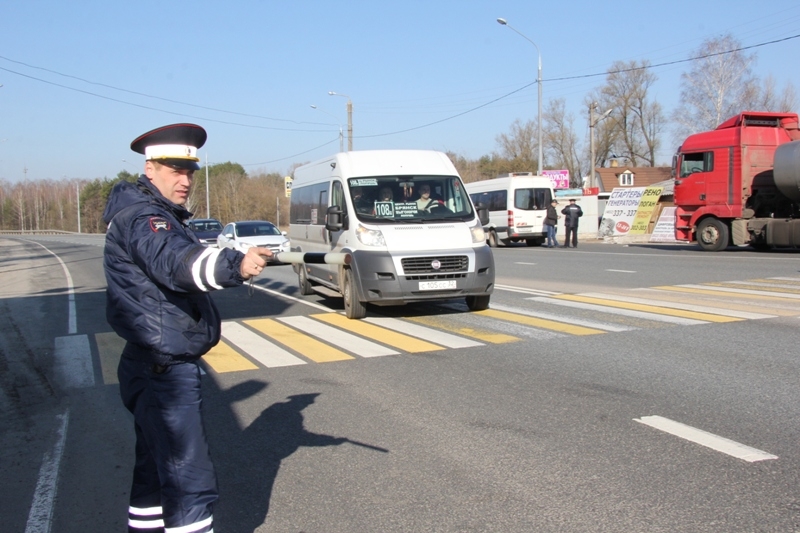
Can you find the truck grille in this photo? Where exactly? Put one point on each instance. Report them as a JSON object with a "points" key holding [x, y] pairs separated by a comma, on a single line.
{"points": [[422, 265]]}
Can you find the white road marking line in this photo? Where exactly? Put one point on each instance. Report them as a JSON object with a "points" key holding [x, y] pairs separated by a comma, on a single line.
{"points": [[268, 354], [73, 361], [562, 318], [337, 337], [40, 517], [623, 271], [521, 263], [292, 298], [525, 290], [741, 291], [704, 438], [421, 332], [796, 280], [623, 312], [686, 307], [72, 318]]}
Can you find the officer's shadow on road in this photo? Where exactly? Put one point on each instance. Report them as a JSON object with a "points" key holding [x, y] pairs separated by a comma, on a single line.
{"points": [[248, 459]]}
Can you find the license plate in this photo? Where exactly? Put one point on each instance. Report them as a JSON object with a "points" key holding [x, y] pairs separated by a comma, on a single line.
{"points": [[437, 285]]}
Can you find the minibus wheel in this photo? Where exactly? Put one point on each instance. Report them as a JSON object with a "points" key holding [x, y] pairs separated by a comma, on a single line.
{"points": [[478, 303], [302, 278], [352, 307]]}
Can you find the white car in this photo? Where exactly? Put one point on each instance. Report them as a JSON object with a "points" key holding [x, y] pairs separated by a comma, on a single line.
{"points": [[243, 235]]}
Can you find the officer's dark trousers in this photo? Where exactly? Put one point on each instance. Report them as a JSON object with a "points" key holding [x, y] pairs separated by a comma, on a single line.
{"points": [[174, 485], [574, 231]]}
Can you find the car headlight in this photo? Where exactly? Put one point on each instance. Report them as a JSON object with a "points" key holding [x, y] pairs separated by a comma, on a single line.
{"points": [[370, 237], [478, 235]]}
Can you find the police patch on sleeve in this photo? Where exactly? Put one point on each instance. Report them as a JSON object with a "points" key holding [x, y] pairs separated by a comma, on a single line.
{"points": [[159, 224]]}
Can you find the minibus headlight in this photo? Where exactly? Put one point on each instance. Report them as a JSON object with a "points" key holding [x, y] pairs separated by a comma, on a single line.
{"points": [[478, 234], [370, 237]]}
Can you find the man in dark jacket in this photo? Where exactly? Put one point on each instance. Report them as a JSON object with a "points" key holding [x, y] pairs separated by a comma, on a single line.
{"points": [[571, 215], [159, 277], [550, 221]]}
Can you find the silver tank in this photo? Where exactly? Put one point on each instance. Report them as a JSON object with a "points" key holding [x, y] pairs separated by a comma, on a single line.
{"points": [[787, 170]]}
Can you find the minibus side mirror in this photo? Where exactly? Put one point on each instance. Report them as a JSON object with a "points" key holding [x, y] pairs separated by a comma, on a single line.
{"points": [[483, 213], [334, 218]]}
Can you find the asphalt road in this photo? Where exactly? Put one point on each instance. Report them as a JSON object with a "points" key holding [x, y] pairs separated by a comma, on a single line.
{"points": [[608, 388]]}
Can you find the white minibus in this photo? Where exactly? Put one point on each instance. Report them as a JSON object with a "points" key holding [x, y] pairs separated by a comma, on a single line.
{"points": [[517, 205], [405, 218]]}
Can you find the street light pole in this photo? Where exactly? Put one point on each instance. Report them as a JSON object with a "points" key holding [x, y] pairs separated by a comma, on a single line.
{"points": [[341, 135], [78, 196], [592, 123], [503, 22], [349, 119], [208, 204]]}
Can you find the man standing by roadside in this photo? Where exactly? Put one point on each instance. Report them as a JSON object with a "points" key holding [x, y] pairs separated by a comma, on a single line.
{"points": [[159, 277], [571, 215], [550, 221]]}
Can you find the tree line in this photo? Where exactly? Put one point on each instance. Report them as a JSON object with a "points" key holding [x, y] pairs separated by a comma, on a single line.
{"points": [[719, 84]]}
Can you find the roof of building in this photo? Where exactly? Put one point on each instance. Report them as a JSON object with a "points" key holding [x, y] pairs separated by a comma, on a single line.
{"points": [[642, 176]]}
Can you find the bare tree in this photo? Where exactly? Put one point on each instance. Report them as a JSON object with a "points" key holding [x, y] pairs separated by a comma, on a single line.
{"points": [[520, 146], [560, 140], [719, 85], [636, 122]]}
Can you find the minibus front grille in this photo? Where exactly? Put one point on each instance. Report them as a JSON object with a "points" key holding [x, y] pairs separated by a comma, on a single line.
{"points": [[422, 265], [433, 277]]}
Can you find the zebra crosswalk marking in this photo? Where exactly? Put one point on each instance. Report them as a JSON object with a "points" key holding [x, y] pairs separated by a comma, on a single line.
{"points": [[538, 322], [384, 336], [686, 306], [265, 352], [559, 318], [421, 332], [317, 351], [480, 334], [222, 358], [347, 341], [718, 290], [762, 286], [649, 308], [623, 312]]}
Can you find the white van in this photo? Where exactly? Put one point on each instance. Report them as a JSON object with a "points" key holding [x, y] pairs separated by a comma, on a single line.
{"points": [[517, 204], [405, 218]]}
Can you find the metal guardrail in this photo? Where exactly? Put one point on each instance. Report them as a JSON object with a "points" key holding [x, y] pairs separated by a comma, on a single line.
{"points": [[41, 232]]}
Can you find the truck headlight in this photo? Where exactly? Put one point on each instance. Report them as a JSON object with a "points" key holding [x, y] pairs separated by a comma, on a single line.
{"points": [[370, 237], [478, 234]]}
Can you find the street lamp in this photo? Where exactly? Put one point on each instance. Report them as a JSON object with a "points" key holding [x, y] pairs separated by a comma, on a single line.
{"points": [[341, 135], [349, 119], [593, 120], [538, 82]]}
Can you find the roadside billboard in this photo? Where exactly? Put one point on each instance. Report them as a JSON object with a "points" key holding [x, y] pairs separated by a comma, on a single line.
{"points": [[628, 211]]}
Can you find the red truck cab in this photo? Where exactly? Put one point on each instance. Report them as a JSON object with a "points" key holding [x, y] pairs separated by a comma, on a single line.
{"points": [[723, 179]]}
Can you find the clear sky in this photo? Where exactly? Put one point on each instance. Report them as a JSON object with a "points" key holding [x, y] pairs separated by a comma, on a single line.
{"points": [[82, 79]]}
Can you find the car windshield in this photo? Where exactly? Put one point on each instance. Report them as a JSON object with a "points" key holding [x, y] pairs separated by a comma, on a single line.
{"points": [[255, 229], [417, 199], [205, 226]]}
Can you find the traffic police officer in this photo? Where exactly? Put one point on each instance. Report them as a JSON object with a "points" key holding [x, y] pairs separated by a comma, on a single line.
{"points": [[159, 278]]}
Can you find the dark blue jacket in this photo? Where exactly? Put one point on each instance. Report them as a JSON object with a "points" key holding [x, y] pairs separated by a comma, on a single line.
{"points": [[159, 277]]}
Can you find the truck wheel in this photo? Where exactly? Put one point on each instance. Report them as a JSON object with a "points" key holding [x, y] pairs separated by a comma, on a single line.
{"points": [[478, 303], [302, 278], [352, 307], [713, 235], [492, 238]]}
